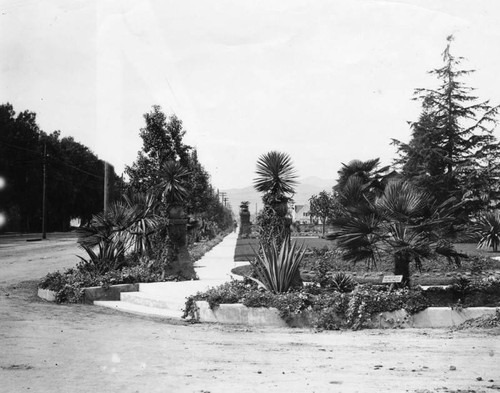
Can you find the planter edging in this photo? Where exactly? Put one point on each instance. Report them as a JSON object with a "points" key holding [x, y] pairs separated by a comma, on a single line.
{"points": [[93, 293], [432, 317]]}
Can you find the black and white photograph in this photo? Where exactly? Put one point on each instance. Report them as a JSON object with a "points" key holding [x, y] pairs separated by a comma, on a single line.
{"points": [[249, 196]]}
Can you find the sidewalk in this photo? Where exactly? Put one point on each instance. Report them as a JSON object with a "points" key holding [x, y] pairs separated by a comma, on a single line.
{"points": [[167, 299]]}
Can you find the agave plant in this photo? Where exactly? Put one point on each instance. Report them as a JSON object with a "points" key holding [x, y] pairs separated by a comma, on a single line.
{"points": [[276, 269], [107, 256], [488, 227], [342, 282]]}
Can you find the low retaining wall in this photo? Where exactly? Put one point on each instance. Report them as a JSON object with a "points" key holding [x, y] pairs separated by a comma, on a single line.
{"points": [[253, 316], [94, 293], [432, 317], [110, 293], [47, 294]]}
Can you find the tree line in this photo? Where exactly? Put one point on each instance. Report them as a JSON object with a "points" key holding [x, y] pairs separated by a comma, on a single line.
{"points": [[74, 175]]}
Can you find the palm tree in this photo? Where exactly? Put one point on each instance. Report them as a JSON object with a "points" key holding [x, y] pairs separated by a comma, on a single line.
{"points": [[276, 179], [276, 174], [365, 177], [403, 222]]}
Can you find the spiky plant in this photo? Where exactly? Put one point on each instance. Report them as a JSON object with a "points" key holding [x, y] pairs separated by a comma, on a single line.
{"points": [[342, 282], [488, 227], [172, 186], [276, 175], [276, 268]]}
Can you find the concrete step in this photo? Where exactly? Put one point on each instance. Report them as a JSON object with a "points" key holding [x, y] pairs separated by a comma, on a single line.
{"points": [[140, 309], [167, 299], [178, 289], [149, 300]]}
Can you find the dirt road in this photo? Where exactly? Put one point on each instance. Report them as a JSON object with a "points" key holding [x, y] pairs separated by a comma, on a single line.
{"points": [[26, 257], [78, 348]]}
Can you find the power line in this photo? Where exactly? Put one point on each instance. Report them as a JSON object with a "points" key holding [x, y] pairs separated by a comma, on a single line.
{"points": [[54, 158]]}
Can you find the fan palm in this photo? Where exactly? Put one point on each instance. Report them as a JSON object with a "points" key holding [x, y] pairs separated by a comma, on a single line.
{"points": [[404, 222], [367, 172]]}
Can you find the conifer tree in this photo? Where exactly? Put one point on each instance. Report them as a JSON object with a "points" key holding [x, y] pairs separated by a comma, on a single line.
{"points": [[452, 151]]}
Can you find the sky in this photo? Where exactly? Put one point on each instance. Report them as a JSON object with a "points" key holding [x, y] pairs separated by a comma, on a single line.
{"points": [[324, 81]]}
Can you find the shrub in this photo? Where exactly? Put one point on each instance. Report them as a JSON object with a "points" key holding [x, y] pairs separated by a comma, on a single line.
{"points": [[333, 310]]}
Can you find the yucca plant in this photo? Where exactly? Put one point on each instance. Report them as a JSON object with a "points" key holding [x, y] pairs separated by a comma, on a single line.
{"points": [[276, 268], [488, 227], [172, 187], [276, 175], [125, 227]]}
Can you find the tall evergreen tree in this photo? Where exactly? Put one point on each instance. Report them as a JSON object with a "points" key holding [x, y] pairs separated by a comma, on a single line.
{"points": [[162, 142], [452, 151]]}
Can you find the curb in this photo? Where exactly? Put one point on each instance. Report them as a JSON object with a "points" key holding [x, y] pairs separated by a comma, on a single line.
{"points": [[432, 317], [93, 293]]}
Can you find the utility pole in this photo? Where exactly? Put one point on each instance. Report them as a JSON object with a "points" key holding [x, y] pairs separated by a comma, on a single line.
{"points": [[106, 186], [44, 191], [223, 197]]}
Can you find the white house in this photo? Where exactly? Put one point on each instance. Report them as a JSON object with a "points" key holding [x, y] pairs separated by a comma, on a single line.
{"points": [[301, 214]]}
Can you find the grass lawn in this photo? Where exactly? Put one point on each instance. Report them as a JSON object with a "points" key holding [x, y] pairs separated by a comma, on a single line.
{"points": [[434, 271], [244, 251]]}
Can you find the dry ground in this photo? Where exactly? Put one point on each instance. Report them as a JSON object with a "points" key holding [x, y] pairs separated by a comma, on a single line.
{"points": [[76, 348]]}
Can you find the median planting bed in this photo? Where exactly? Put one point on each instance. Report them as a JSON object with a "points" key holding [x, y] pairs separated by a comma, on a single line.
{"points": [[346, 307]]}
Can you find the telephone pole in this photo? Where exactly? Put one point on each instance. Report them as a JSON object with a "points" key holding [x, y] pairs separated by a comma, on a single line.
{"points": [[106, 186], [44, 191]]}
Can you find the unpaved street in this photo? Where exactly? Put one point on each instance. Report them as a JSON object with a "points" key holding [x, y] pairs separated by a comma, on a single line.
{"points": [[77, 348], [21, 258]]}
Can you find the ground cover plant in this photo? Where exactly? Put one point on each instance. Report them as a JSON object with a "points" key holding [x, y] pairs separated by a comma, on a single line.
{"points": [[343, 304], [69, 284], [245, 247]]}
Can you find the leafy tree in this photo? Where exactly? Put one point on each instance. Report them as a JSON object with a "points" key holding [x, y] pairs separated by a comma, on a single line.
{"points": [[20, 166], [324, 206], [74, 185], [162, 142], [452, 151]]}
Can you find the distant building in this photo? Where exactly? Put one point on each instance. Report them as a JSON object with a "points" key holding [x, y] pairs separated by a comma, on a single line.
{"points": [[302, 214]]}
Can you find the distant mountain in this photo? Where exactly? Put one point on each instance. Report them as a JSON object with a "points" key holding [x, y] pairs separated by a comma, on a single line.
{"points": [[307, 187]]}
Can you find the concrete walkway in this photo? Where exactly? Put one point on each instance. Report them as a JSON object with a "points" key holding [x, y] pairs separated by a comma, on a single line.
{"points": [[167, 299]]}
